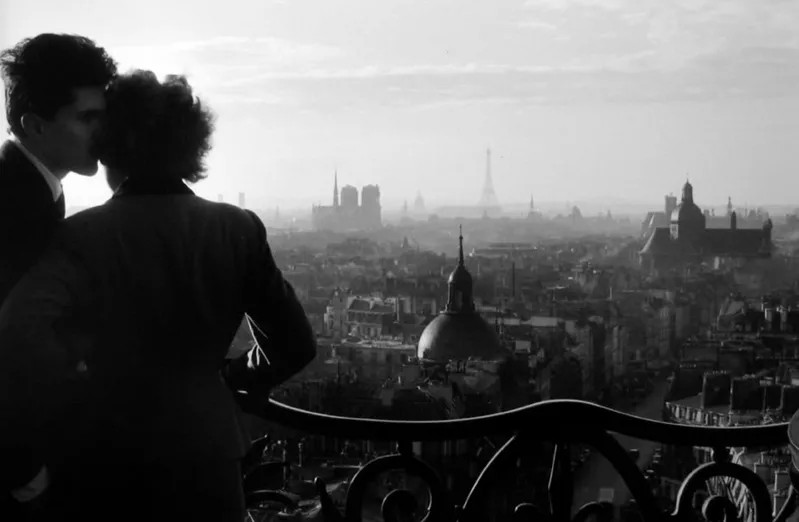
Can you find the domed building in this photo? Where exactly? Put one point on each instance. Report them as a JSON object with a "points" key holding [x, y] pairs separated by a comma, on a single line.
{"points": [[687, 223], [459, 332], [688, 240]]}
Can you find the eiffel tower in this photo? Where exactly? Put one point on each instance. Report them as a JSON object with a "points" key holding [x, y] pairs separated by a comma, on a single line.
{"points": [[488, 200]]}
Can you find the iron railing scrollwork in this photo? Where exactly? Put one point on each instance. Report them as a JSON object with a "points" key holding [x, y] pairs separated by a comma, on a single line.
{"points": [[564, 423]]}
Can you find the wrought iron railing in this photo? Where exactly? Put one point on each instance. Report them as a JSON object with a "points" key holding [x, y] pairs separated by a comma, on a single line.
{"points": [[563, 423]]}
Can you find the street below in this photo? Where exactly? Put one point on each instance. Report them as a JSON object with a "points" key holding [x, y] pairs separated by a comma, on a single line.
{"points": [[598, 472]]}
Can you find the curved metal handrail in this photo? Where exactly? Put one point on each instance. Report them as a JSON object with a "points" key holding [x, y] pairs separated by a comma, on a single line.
{"points": [[548, 416], [560, 421]]}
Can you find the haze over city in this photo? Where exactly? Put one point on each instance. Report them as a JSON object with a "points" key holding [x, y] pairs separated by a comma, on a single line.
{"points": [[613, 102]]}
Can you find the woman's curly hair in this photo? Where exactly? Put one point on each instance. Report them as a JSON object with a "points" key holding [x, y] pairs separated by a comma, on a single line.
{"points": [[155, 129]]}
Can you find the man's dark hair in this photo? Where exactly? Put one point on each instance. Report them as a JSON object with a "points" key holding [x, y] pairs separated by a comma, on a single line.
{"points": [[154, 129], [40, 74]]}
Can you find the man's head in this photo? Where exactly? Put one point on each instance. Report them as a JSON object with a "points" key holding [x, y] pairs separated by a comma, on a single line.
{"points": [[54, 88]]}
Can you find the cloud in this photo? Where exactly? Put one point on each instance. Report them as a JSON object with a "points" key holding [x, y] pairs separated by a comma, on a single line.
{"points": [[537, 25], [216, 58], [602, 51], [564, 5]]}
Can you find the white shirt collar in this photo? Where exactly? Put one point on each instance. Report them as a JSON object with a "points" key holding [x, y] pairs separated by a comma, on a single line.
{"points": [[52, 181]]}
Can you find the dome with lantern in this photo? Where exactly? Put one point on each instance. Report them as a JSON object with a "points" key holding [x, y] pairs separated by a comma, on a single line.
{"points": [[459, 332], [687, 212]]}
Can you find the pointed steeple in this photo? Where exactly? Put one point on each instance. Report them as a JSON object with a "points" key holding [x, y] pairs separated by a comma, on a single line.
{"points": [[460, 245], [460, 284], [335, 188]]}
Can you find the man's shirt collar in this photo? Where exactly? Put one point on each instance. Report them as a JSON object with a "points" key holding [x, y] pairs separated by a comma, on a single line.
{"points": [[52, 181]]}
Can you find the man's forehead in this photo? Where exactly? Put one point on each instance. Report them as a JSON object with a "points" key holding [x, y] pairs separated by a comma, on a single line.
{"points": [[89, 99]]}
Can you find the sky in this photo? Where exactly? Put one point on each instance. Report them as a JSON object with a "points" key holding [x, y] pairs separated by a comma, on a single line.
{"points": [[617, 101]]}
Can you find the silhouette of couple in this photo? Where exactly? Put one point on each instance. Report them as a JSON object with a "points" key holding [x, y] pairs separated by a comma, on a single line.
{"points": [[116, 396]]}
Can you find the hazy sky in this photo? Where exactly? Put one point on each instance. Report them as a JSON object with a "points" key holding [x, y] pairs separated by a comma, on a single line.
{"points": [[578, 99]]}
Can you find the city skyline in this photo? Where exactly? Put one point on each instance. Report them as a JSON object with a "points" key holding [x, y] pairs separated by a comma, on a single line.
{"points": [[577, 99]]}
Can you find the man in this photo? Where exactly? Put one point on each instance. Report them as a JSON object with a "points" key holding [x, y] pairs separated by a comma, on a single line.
{"points": [[54, 86], [156, 282]]}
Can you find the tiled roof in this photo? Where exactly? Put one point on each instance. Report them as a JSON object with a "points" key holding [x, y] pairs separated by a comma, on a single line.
{"points": [[659, 243], [714, 242], [721, 241]]}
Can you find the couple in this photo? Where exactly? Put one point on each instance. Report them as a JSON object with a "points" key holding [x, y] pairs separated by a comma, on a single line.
{"points": [[116, 397]]}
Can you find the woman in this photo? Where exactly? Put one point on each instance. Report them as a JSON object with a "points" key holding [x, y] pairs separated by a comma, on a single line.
{"points": [[115, 343]]}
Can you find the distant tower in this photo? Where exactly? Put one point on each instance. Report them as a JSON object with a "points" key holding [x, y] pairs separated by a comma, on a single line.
{"points": [[729, 206], [335, 188], [349, 198], [219, 198], [671, 204], [688, 192], [489, 197], [418, 204], [241, 200], [405, 208], [370, 207]]}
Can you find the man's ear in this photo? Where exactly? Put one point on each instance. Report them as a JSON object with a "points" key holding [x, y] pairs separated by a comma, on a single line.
{"points": [[32, 124]]}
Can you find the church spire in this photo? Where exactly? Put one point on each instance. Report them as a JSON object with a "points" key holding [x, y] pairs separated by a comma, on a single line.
{"points": [[460, 245], [460, 284], [335, 188]]}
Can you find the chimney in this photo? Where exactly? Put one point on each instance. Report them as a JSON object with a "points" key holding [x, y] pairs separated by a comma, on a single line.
{"points": [[715, 389], [789, 402], [784, 311], [782, 480], [772, 396], [746, 394]]}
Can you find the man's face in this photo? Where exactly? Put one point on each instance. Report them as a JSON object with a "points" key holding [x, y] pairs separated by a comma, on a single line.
{"points": [[68, 138]]}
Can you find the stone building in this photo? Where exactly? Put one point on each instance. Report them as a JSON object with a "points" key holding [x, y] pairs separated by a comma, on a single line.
{"points": [[346, 214], [687, 240]]}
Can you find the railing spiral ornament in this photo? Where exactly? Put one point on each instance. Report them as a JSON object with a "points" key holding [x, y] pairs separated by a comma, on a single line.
{"points": [[563, 423], [717, 506]]}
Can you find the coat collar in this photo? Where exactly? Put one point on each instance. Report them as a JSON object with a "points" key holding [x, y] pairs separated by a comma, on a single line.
{"points": [[15, 168], [149, 186]]}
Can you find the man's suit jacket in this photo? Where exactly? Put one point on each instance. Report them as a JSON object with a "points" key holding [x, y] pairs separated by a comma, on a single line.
{"points": [[28, 215], [148, 291]]}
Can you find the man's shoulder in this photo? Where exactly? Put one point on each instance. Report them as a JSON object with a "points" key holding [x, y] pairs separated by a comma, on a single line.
{"points": [[21, 185], [229, 213], [13, 163], [194, 210]]}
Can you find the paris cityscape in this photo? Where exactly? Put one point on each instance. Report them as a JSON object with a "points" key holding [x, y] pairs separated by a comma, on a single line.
{"points": [[548, 251], [685, 315]]}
